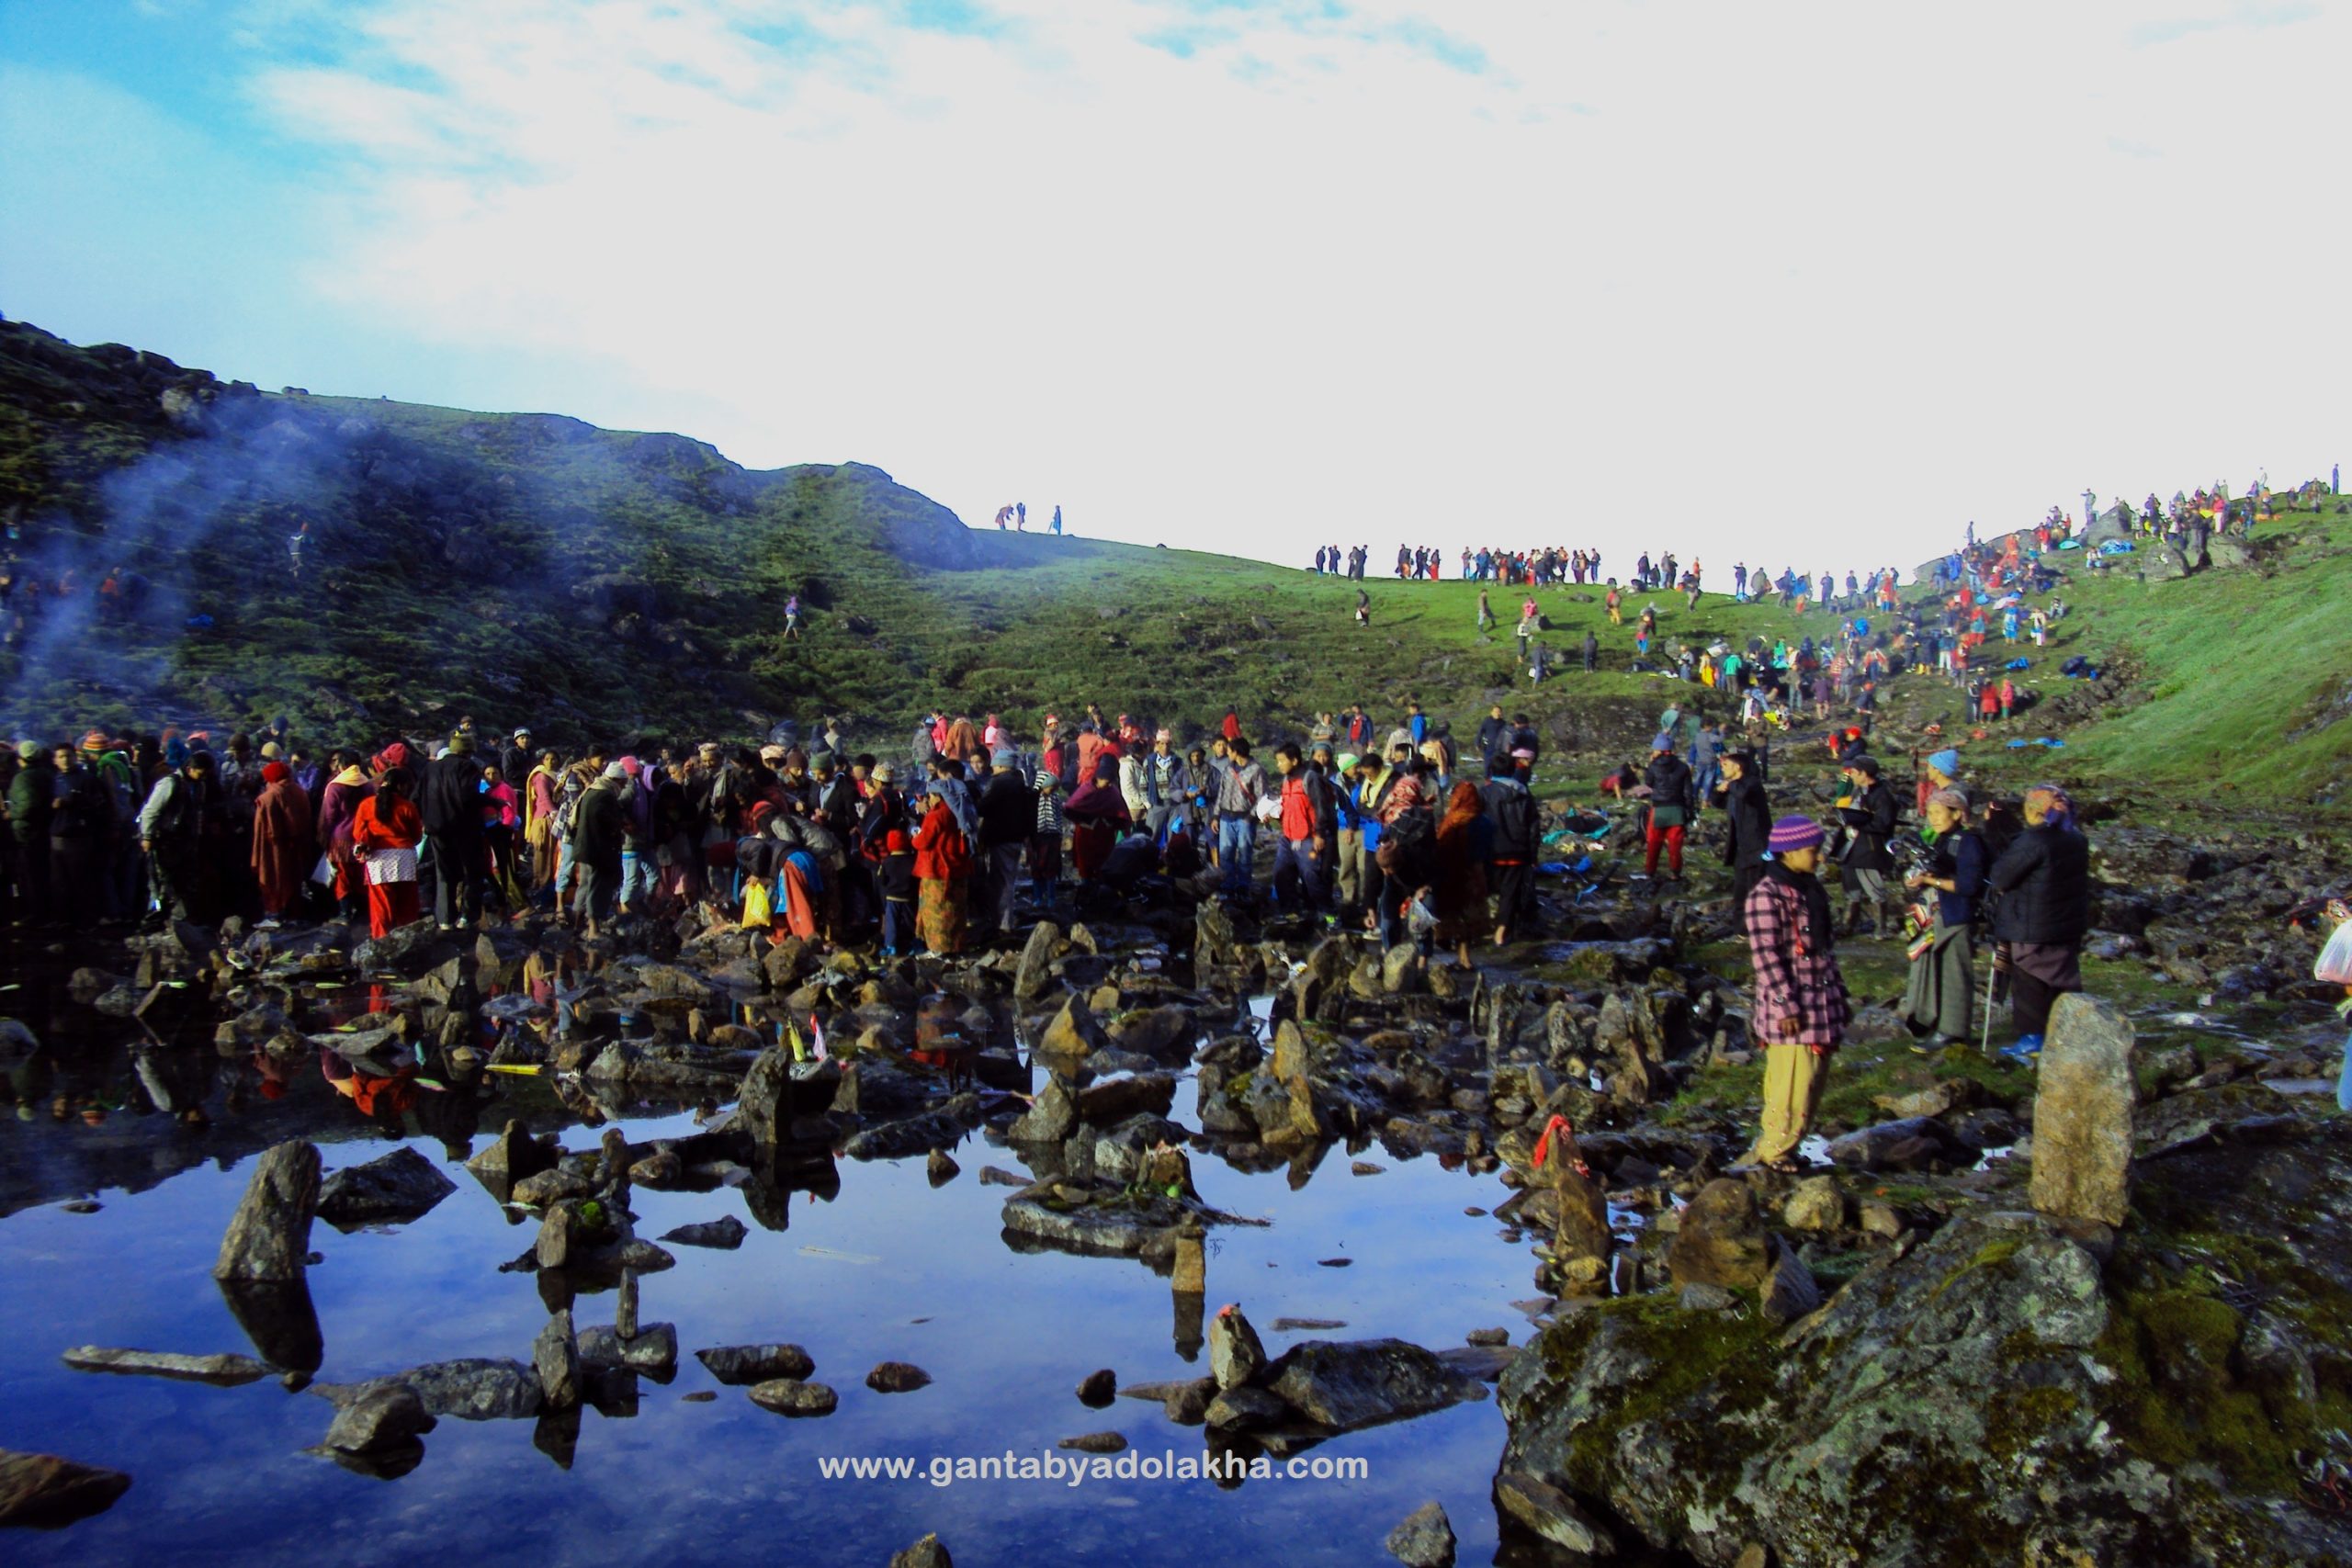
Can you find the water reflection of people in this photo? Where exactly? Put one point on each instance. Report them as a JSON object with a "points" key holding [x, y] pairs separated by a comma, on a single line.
{"points": [[381, 1097]]}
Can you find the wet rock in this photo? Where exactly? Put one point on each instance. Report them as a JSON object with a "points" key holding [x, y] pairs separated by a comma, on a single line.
{"points": [[550, 1187], [1788, 1292], [1073, 1033], [1214, 942], [1096, 1443], [1423, 1540], [384, 1419], [1698, 1297], [555, 1355], [726, 1234], [269, 1235], [1099, 1388], [896, 1377], [1487, 1336], [790, 1396], [652, 1351], [1400, 970], [1816, 1204], [786, 963], [738, 1364], [1187, 1404], [411, 949], [1551, 1514], [1244, 1406], [2083, 1112], [1882, 1220], [400, 1188], [928, 1552], [44, 1492], [225, 1370], [1350, 1385], [1236, 1354], [940, 1169], [472, 1388]]}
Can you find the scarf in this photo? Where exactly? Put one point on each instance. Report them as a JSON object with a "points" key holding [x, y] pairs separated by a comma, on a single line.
{"points": [[1821, 926], [959, 804]]}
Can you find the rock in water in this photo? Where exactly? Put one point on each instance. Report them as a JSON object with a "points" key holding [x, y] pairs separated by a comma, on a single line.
{"points": [[269, 1235], [1236, 1354], [1722, 1240], [384, 1418], [1031, 979], [1099, 1388], [1348, 1384], [1050, 1117], [1074, 1031], [896, 1377], [726, 1233], [44, 1492], [1213, 940], [1425, 1539], [736, 1364], [227, 1371], [2082, 1113], [512, 1156], [556, 1357], [925, 1553], [402, 1186], [790, 1396]]}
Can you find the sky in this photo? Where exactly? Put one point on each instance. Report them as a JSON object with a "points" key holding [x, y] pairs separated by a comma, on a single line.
{"points": [[1811, 285]]}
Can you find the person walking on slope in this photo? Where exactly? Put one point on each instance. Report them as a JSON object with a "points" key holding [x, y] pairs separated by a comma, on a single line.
{"points": [[1668, 778], [1801, 1008]]}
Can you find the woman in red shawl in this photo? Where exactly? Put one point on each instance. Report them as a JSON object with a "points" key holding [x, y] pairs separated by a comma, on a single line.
{"points": [[1097, 814], [284, 851], [385, 831], [1464, 835]]}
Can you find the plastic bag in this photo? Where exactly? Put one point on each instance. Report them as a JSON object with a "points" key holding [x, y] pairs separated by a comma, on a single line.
{"points": [[758, 911], [2334, 964]]}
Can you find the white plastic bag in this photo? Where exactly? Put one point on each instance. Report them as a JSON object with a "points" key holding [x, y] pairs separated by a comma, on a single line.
{"points": [[2334, 964]]}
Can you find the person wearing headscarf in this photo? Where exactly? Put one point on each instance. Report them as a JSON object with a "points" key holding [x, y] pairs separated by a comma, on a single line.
{"points": [[338, 803], [542, 793], [945, 856], [1046, 836], [1459, 890], [964, 743], [1935, 998], [385, 833], [1801, 1008], [284, 846]]}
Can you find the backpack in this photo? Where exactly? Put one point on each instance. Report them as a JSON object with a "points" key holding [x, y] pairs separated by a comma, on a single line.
{"points": [[1405, 844]]}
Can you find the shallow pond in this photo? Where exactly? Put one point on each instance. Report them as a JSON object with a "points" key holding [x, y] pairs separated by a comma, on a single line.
{"points": [[890, 1269]]}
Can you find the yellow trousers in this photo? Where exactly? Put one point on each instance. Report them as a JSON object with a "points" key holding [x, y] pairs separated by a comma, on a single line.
{"points": [[1792, 1080]]}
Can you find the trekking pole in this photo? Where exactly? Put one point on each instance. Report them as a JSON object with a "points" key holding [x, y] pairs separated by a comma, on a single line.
{"points": [[1991, 969]]}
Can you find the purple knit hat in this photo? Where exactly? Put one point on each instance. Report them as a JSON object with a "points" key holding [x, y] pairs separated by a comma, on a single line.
{"points": [[1795, 833]]}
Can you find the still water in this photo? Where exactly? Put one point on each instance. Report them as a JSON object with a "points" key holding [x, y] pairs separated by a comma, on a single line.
{"points": [[890, 1269]]}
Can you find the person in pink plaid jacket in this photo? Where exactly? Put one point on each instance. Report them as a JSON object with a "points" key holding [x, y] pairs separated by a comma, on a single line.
{"points": [[1801, 1008]]}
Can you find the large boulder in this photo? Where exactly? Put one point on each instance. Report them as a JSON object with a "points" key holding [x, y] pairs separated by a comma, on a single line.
{"points": [[269, 1235], [1721, 1239], [44, 1492], [2082, 1112], [1073, 1033], [783, 1102]]}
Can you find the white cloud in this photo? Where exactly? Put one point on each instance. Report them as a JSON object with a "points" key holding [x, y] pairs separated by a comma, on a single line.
{"points": [[1809, 285]]}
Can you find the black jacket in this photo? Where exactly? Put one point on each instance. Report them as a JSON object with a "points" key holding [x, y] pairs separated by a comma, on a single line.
{"points": [[604, 820], [1008, 811], [1512, 811], [1668, 777], [450, 801], [1872, 819], [1492, 734], [2045, 882], [1752, 821]]}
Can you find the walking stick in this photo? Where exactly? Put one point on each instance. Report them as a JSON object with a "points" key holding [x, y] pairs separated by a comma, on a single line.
{"points": [[1991, 969]]}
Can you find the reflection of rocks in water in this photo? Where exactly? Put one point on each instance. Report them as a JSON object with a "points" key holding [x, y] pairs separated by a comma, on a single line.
{"points": [[44, 1492], [278, 1316]]}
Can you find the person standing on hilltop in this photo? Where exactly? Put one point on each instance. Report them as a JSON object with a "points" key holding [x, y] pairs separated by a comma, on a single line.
{"points": [[1021, 516], [1056, 524], [1801, 1008]]}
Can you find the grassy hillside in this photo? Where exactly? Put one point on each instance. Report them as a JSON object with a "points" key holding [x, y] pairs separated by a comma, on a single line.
{"points": [[531, 568]]}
